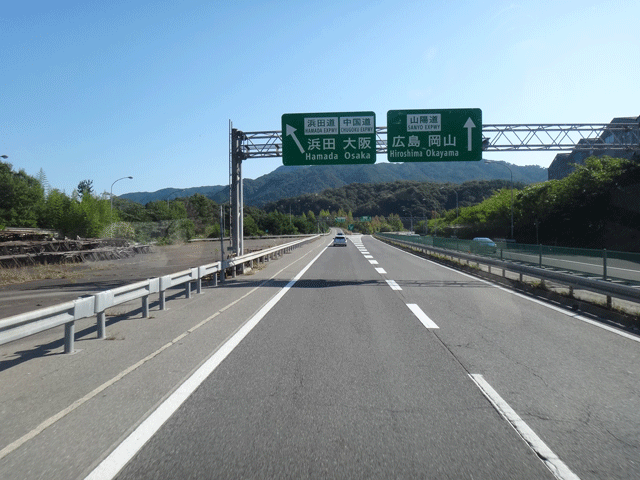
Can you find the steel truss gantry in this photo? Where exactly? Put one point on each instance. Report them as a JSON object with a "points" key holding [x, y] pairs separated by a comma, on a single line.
{"points": [[594, 137], [496, 138]]}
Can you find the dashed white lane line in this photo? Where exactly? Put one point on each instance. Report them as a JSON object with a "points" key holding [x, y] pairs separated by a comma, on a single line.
{"points": [[373, 262], [417, 311], [368, 256], [381, 270], [394, 285], [564, 311], [557, 467]]}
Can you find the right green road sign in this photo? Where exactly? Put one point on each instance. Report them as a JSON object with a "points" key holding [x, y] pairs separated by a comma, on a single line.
{"points": [[434, 135]]}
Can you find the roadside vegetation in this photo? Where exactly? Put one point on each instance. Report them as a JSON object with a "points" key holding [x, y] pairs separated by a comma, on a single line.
{"points": [[594, 207], [597, 206]]}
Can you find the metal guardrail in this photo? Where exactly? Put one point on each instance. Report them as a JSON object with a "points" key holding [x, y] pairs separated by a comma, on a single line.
{"points": [[27, 324], [606, 264], [596, 285]]}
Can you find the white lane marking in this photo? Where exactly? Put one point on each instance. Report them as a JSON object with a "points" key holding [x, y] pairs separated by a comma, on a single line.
{"points": [[368, 256], [381, 270], [373, 262], [394, 285], [564, 311], [417, 311], [557, 467], [124, 452], [63, 413]]}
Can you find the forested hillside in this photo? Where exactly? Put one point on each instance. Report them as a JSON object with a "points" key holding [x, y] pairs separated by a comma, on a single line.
{"points": [[403, 198], [288, 182]]}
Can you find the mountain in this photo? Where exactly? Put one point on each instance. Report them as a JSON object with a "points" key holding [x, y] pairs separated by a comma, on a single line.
{"points": [[286, 181], [173, 193]]}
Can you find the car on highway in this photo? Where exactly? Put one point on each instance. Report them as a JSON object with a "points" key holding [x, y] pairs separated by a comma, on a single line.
{"points": [[483, 245], [339, 241]]}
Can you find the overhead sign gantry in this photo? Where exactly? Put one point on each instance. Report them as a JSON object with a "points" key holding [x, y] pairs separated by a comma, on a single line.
{"points": [[463, 127]]}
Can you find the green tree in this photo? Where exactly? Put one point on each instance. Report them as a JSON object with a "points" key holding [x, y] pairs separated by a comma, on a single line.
{"points": [[85, 187], [21, 198]]}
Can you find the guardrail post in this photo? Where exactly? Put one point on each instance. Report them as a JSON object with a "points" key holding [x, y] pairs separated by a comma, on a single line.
{"points": [[102, 324], [69, 334], [187, 289], [540, 255], [103, 300], [165, 283], [201, 273], [604, 264], [145, 306]]}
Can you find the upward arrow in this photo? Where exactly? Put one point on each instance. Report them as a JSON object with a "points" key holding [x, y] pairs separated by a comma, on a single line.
{"points": [[469, 125], [292, 131]]}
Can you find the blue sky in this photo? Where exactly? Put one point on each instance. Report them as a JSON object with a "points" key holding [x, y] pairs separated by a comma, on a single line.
{"points": [[101, 90]]}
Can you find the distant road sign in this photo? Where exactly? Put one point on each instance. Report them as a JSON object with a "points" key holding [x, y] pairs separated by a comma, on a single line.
{"points": [[329, 138], [341, 219], [434, 135], [365, 219]]}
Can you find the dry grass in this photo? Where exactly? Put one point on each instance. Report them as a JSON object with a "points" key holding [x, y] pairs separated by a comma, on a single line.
{"points": [[12, 276]]}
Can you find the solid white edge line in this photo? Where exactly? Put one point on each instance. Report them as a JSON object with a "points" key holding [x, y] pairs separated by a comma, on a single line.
{"points": [[124, 452], [564, 311], [417, 311], [557, 467]]}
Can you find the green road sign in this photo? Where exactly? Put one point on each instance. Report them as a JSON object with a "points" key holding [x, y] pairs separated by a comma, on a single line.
{"points": [[434, 135], [351, 227], [329, 138], [365, 219], [341, 219]]}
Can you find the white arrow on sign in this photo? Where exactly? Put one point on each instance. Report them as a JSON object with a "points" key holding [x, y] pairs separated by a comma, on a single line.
{"points": [[468, 125], [292, 131]]}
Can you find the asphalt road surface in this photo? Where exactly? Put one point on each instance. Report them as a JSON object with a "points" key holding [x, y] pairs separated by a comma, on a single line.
{"points": [[357, 362]]}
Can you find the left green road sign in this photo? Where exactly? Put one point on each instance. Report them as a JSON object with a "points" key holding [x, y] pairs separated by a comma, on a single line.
{"points": [[329, 138]]}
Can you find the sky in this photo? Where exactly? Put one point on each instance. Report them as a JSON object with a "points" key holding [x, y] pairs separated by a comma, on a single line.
{"points": [[95, 90]]}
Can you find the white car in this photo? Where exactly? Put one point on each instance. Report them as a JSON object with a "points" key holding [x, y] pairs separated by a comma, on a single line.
{"points": [[340, 241]]}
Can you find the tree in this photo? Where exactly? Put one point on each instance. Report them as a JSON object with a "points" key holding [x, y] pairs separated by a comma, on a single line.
{"points": [[21, 198], [85, 187], [44, 183]]}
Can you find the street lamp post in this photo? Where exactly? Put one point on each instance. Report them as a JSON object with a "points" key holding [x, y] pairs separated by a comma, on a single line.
{"points": [[111, 194], [457, 214], [511, 173], [456, 201], [404, 210], [4, 156]]}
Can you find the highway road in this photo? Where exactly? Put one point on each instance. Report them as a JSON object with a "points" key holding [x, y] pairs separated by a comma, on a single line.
{"points": [[357, 362]]}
